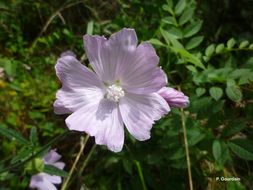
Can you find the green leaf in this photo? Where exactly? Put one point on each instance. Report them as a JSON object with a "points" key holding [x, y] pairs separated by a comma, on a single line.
{"points": [[220, 153], [246, 79], [170, 39], [9, 65], [176, 43], [219, 48], [242, 148], [15, 87], [192, 29], [210, 50], [202, 102], [251, 46], [237, 73], [186, 16], [194, 135], [231, 82], [206, 59], [216, 92], [52, 170], [67, 33], [189, 57], [13, 135], [234, 93], [179, 163], [178, 154], [175, 32], [35, 115], [231, 43], [194, 42], [156, 42], [170, 20], [217, 150], [12, 119], [225, 156], [128, 166], [178, 48], [22, 154], [180, 6], [200, 91], [168, 8], [234, 127], [244, 44], [235, 185], [192, 68], [170, 3], [90, 27], [166, 36], [33, 136], [56, 35]]}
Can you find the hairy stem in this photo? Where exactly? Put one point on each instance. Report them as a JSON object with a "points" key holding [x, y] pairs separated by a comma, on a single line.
{"points": [[141, 175], [83, 142], [87, 159], [186, 149]]}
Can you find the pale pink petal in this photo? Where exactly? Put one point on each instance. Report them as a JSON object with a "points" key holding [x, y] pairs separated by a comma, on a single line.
{"points": [[79, 85], [109, 57], [140, 111], [52, 157], [59, 165], [102, 120], [85, 119], [44, 181], [93, 46], [41, 183], [142, 74], [174, 97], [68, 53], [52, 178]]}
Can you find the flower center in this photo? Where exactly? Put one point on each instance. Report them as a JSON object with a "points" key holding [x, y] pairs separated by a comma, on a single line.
{"points": [[114, 92]]}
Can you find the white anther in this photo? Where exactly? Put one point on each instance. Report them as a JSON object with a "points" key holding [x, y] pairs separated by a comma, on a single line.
{"points": [[114, 92]]}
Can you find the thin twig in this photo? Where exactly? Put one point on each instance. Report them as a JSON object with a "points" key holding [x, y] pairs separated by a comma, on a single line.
{"points": [[51, 18], [83, 142], [186, 149]]}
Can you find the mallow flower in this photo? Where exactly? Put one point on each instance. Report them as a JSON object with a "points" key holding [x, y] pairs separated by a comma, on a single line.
{"points": [[120, 90], [44, 181]]}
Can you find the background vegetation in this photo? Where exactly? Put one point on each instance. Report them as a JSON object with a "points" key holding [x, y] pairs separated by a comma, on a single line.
{"points": [[206, 49]]}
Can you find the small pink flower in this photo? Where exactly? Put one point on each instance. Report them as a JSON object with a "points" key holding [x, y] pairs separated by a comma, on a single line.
{"points": [[173, 97], [120, 90], [44, 181]]}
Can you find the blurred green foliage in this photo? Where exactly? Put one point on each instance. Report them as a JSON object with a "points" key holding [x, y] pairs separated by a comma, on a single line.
{"points": [[205, 47]]}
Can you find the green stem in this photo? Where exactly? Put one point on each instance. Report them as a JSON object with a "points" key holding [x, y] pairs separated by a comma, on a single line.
{"points": [[137, 163], [15, 165], [186, 149], [226, 50], [83, 142], [87, 160]]}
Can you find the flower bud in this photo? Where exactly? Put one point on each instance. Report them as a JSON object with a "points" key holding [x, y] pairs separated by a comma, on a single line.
{"points": [[35, 166], [173, 97]]}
